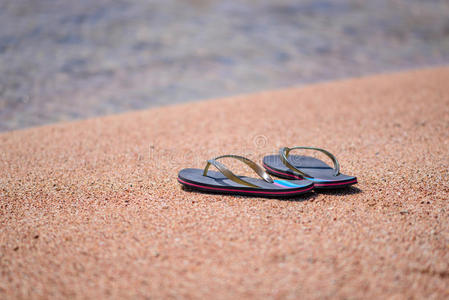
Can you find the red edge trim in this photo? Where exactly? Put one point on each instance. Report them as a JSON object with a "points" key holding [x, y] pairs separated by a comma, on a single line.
{"points": [[315, 184], [245, 191], [339, 183], [286, 174]]}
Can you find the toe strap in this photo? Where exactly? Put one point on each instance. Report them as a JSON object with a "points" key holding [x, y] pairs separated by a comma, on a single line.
{"points": [[226, 172], [284, 152]]}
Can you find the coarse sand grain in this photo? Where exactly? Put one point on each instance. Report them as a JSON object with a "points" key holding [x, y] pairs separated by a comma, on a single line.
{"points": [[92, 209]]}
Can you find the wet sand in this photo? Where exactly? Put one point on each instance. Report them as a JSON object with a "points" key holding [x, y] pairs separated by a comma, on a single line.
{"points": [[93, 209]]}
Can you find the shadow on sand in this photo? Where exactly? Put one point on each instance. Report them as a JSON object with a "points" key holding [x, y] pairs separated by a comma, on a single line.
{"points": [[350, 190]]}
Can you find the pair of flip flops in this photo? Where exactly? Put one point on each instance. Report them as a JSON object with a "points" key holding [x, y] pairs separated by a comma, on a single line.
{"points": [[304, 173]]}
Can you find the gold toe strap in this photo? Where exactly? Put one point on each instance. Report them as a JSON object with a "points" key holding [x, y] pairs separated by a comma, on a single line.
{"points": [[226, 172], [284, 152]]}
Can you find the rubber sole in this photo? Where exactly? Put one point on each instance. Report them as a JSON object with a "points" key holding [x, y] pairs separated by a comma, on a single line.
{"points": [[317, 185], [244, 192]]}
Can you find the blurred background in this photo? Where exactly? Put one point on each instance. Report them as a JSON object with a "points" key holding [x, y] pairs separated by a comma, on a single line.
{"points": [[66, 60]]}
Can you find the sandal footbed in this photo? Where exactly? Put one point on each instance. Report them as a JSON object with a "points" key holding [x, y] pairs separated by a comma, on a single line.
{"points": [[216, 182], [322, 174]]}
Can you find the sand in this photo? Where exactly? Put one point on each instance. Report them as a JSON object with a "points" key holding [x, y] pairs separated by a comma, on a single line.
{"points": [[92, 209]]}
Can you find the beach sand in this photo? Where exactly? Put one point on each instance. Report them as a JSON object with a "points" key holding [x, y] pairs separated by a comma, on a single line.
{"points": [[93, 208]]}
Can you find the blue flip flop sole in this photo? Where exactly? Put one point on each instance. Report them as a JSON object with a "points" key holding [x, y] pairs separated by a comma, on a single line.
{"points": [[216, 182], [322, 174]]}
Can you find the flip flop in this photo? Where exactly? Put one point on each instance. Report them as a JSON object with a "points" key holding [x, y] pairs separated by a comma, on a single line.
{"points": [[226, 182], [306, 167]]}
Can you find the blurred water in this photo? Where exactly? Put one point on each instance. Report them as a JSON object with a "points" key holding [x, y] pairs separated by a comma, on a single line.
{"points": [[64, 60]]}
